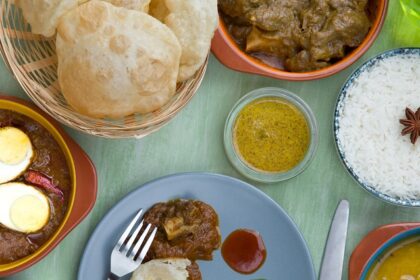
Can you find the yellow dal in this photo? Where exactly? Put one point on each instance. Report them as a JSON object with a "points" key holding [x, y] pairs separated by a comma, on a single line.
{"points": [[401, 263], [271, 135]]}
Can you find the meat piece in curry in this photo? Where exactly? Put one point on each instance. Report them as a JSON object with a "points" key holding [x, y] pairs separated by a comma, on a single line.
{"points": [[194, 271], [297, 35], [186, 229]]}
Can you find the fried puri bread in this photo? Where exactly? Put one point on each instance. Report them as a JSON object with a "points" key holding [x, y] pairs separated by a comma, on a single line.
{"points": [[194, 23], [114, 62], [139, 5], [170, 268], [44, 15]]}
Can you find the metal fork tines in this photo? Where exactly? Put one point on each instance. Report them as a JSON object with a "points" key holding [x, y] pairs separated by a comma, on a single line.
{"points": [[131, 248]]}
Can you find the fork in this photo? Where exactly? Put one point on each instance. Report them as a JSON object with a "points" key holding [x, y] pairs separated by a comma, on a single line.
{"points": [[123, 257]]}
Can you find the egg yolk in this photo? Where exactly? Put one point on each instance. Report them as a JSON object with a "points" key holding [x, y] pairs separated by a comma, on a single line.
{"points": [[29, 214], [14, 145]]}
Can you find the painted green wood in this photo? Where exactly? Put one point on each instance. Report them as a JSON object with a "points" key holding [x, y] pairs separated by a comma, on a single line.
{"points": [[193, 142]]}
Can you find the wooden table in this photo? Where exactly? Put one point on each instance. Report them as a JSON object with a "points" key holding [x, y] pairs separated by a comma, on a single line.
{"points": [[193, 142]]}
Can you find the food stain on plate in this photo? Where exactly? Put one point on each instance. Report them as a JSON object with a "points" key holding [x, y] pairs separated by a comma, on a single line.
{"points": [[401, 262], [244, 251], [271, 135]]}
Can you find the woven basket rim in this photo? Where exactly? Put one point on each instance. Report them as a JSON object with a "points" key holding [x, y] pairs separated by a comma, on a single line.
{"points": [[11, 50]]}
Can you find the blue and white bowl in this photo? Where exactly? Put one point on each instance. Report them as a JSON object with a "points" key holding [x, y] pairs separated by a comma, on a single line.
{"points": [[338, 109]]}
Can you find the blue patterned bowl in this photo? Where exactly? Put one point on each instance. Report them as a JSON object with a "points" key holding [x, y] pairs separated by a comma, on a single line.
{"points": [[339, 105]]}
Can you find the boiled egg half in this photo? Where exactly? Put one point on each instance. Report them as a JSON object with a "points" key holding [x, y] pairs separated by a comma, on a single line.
{"points": [[23, 207], [16, 153]]}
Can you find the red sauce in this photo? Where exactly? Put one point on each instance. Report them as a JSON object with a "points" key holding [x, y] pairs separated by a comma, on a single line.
{"points": [[244, 251]]}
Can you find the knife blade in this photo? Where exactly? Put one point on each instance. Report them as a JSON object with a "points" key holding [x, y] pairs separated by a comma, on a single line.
{"points": [[332, 263]]}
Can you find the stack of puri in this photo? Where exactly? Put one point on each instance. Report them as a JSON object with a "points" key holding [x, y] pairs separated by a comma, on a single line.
{"points": [[122, 57]]}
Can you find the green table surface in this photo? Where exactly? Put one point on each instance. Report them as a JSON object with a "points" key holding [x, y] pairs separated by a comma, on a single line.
{"points": [[193, 142]]}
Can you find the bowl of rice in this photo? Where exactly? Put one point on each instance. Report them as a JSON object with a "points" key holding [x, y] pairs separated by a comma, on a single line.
{"points": [[368, 131]]}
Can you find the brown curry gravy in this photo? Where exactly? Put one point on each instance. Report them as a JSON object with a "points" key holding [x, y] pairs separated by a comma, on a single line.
{"points": [[49, 160], [244, 251], [298, 35], [195, 223]]}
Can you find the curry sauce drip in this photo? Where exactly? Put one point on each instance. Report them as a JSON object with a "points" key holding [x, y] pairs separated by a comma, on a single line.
{"points": [[271, 135]]}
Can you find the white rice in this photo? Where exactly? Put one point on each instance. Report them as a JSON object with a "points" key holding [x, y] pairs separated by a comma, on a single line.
{"points": [[369, 129]]}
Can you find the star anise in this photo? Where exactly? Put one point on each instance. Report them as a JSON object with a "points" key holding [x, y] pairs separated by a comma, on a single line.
{"points": [[412, 124]]}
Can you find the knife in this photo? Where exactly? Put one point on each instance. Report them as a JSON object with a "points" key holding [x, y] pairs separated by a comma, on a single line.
{"points": [[332, 263]]}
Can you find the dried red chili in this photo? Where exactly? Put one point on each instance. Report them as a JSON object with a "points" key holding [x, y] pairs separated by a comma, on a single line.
{"points": [[43, 181]]}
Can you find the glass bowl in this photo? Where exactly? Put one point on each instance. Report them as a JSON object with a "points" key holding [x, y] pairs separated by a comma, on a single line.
{"points": [[260, 175]]}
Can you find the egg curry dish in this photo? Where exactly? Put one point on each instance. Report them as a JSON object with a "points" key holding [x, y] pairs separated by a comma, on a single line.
{"points": [[35, 186], [188, 230], [297, 35]]}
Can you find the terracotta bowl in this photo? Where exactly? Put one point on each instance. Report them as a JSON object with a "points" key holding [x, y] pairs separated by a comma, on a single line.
{"points": [[228, 52], [83, 174], [375, 243]]}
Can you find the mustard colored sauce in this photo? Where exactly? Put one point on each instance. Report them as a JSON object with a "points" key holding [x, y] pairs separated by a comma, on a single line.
{"points": [[271, 135], [402, 263]]}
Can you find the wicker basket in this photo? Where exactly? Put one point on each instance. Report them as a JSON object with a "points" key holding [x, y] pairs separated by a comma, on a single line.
{"points": [[32, 59]]}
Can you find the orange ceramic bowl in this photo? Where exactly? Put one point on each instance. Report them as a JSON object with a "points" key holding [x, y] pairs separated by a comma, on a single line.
{"points": [[372, 246], [84, 183], [229, 53]]}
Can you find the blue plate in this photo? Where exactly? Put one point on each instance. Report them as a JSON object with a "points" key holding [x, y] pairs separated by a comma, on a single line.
{"points": [[338, 107], [238, 204]]}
